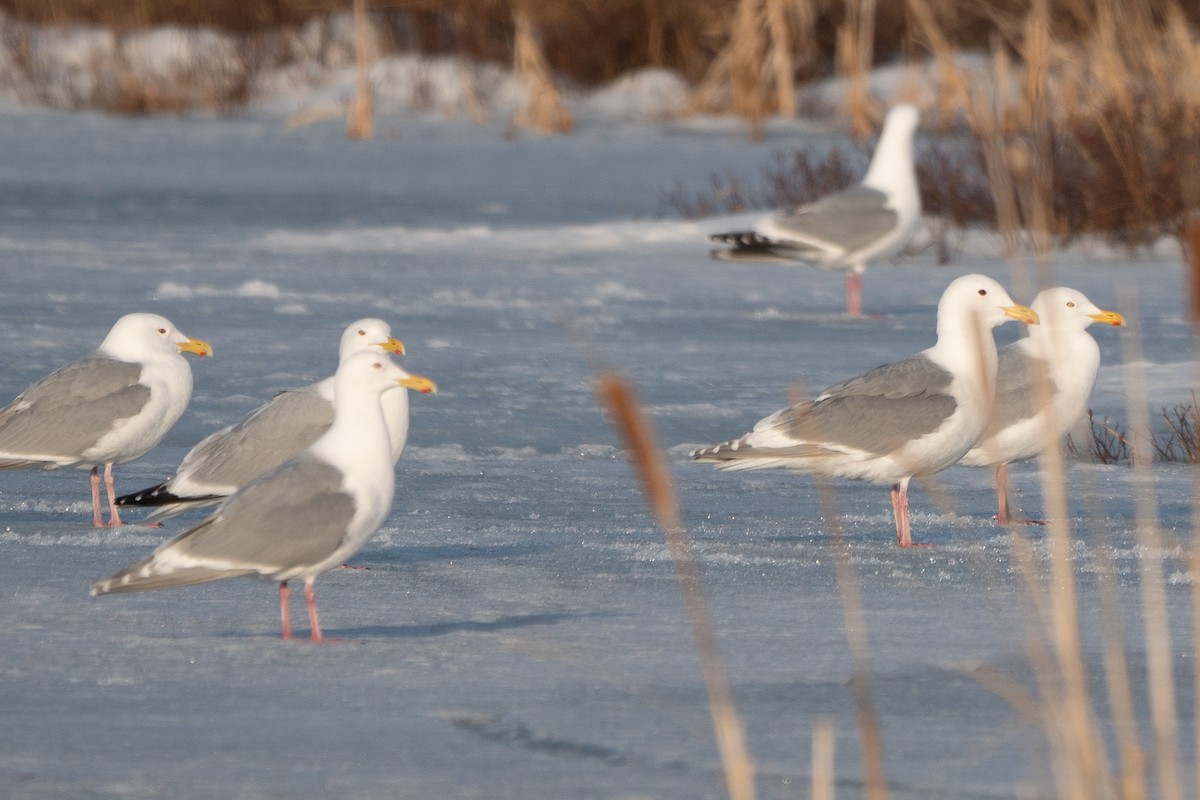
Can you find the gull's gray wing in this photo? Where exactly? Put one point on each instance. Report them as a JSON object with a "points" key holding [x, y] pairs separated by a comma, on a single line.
{"points": [[273, 433], [1016, 393], [293, 517], [66, 413], [847, 221], [878, 412], [850, 220]]}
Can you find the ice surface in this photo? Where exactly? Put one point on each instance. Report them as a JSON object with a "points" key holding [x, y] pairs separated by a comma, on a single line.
{"points": [[518, 632]]}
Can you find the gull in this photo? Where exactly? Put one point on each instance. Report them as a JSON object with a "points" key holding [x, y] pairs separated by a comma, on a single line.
{"points": [[111, 407], [302, 518], [1028, 418], [899, 421], [270, 435], [869, 222]]}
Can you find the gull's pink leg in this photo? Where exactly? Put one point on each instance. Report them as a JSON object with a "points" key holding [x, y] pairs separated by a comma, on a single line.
{"points": [[310, 599], [114, 518], [1003, 516], [854, 294], [97, 517], [285, 595], [900, 511], [1002, 494]]}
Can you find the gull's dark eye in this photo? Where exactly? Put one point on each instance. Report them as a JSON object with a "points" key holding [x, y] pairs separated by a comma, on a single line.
{"points": [[1070, 305], [362, 333], [163, 331], [983, 292]]}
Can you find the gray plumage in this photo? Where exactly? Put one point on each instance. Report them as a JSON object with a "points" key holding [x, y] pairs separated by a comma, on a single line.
{"points": [[66, 413], [877, 412], [274, 433], [850, 220], [1016, 395], [289, 519]]}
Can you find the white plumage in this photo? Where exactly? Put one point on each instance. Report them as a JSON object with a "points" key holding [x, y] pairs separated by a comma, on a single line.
{"points": [[1026, 418], [911, 418]]}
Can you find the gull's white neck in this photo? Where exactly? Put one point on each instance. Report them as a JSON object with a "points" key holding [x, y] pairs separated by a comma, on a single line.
{"points": [[965, 346], [891, 169], [358, 439]]}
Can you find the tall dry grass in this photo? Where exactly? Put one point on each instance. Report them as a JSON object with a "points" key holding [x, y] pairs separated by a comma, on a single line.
{"points": [[360, 121], [616, 396], [544, 110]]}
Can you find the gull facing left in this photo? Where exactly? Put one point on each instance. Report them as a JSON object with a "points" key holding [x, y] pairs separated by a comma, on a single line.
{"points": [[304, 517], [111, 407], [899, 421]]}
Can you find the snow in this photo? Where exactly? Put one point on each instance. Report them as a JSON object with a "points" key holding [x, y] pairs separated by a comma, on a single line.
{"points": [[519, 632]]}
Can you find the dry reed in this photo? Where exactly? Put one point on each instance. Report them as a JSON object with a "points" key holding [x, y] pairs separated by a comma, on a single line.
{"points": [[544, 111], [824, 752], [360, 123], [616, 395]]}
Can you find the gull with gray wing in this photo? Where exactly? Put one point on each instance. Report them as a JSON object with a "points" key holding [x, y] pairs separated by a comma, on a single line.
{"points": [[111, 407], [899, 421], [303, 518], [1043, 385], [271, 434], [846, 230]]}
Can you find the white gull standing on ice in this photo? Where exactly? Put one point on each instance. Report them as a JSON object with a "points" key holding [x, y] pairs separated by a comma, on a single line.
{"points": [[304, 517], [899, 421], [271, 434], [1059, 351], [871, 221], [111, 407]]}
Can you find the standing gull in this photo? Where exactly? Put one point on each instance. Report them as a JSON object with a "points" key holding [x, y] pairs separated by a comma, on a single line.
{"points": [[271, 434], [868, 222], [1061, 352], [899, 421], [111, 407], [304, 517]]}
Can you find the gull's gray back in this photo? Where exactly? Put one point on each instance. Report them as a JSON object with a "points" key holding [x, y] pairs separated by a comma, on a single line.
{"points": [[67, 412]]}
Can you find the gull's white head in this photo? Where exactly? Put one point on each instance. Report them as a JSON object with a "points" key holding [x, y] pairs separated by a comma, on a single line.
{"points": [[145, 337], [368, 334], [1067, 309], [980, 298], [373, 373]]}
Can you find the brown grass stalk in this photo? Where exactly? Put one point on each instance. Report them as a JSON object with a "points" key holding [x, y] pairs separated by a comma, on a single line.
{"points": [[855, 54], [1131, 778], [544, 111], [360, 123], [854, 622], [781, 57], [1084, 748], [1159, 665], [986, 116], [1191, 240], [824, 751], [953, 93], [617, 396]]}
